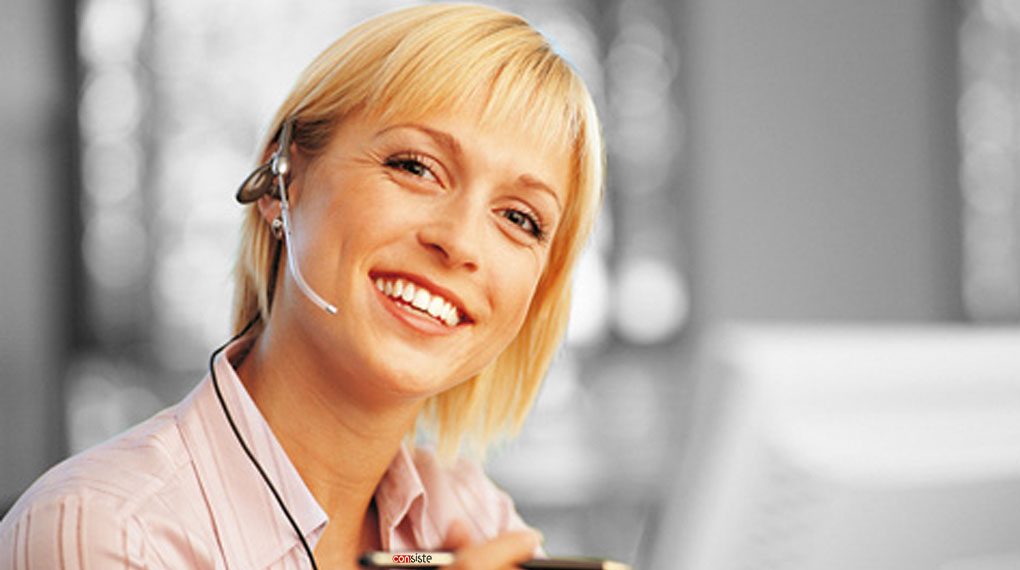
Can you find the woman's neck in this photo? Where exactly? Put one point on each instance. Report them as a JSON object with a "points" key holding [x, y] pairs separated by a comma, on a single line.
{"points": [[340, 446]]}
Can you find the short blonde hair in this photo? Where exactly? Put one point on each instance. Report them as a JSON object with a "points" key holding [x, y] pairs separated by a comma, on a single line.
{"points": [[422, 60]]}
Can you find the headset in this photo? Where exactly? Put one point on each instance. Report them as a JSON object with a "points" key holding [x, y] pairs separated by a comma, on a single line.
{"points": [[261, 182], [271, 178]]}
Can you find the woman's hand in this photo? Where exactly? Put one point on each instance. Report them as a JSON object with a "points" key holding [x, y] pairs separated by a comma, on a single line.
{"points": [[501, 553]]}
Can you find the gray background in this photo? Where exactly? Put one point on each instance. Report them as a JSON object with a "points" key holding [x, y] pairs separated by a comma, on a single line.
{"points": [[810, 173]]}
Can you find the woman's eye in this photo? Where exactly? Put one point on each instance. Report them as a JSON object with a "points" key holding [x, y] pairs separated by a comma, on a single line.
{"points": [[525, 221], [412, 165]]}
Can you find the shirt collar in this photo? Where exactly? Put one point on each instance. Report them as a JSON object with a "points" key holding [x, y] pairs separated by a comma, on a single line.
{"points": [[401, 495], [251, 526]]}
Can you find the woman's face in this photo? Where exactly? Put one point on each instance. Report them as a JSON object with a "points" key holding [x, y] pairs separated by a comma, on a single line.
{"points": [[430, 236]]}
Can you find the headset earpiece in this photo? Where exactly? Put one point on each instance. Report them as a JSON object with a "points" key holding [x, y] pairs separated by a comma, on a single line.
{"points": [[259, 182], [281, 158], [263, 180]]}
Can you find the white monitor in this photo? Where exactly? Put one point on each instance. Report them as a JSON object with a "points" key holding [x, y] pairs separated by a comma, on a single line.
{"points": [[850, 448]]}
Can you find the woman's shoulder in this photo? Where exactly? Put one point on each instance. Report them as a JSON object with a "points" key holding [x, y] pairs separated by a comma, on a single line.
{"points": [[116, 477], [108, 500], [129, 464]]}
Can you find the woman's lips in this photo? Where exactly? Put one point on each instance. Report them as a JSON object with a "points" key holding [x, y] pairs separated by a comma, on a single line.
{"points": [[421, 295], [414, 318]]}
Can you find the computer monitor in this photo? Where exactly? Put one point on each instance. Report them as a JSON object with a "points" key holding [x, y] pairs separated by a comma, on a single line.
{"points": [[850, 448]]}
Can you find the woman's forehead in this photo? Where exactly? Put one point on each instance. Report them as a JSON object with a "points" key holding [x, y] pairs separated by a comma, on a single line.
{"points": [[542, 134]]}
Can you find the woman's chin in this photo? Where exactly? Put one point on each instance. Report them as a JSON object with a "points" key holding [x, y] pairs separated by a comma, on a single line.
{"points": [[402, 388]]}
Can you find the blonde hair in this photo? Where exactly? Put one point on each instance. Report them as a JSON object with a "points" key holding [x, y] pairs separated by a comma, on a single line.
{"points": [[426, 59]]}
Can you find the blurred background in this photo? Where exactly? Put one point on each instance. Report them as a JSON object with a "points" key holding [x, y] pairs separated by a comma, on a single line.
{"points": [[774, 161]]}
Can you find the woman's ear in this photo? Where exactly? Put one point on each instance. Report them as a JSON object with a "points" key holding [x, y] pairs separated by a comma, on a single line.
{"points": [[269, 207]]}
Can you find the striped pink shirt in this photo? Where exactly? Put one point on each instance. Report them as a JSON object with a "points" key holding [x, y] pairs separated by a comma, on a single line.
{"points": [[178, 492]]}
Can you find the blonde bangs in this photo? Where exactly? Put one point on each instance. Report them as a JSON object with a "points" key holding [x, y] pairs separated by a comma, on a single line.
{"points": [[502, 69]]}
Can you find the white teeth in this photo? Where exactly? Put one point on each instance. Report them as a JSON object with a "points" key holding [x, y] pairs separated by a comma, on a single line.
{"points": [[419, 298], [436, 306], [454, 318], [451, 316]]}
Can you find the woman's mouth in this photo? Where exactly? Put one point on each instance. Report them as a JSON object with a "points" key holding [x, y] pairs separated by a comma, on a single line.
{"points": [[416, 298]]}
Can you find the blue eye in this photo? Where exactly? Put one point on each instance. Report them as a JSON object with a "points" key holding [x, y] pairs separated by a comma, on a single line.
{"points": [[526, 222]]}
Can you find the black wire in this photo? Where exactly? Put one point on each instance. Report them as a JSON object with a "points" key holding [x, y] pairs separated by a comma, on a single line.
{"points": [[244, 446]]}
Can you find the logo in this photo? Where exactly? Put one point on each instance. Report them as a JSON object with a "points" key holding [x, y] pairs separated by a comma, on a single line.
{"points": [[412, 558]]}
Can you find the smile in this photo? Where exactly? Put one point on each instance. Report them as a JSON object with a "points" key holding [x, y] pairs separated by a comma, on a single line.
{"points": [[419, 299]]}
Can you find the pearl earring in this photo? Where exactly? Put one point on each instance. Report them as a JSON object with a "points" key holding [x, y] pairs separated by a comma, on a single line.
{"points": [[277, 227]]}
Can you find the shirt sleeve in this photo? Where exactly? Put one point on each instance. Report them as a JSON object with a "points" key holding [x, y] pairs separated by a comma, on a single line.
{"points": [[73, 533]]}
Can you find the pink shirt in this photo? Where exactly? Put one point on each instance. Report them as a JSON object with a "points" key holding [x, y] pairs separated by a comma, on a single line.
{"points": [[178, 492]]}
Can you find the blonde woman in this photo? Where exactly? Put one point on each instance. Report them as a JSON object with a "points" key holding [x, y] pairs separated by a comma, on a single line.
{"points": [[405, 261]]}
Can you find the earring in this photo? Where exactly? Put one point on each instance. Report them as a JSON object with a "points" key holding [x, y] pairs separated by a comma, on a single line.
{"points": [[277, 227]]}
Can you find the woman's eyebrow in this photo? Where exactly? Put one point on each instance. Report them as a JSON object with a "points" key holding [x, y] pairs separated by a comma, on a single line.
{"points": [[530, 181], [442, 138]]}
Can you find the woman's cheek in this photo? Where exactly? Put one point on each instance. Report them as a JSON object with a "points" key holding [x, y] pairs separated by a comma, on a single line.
{"points": [[524, 294]]}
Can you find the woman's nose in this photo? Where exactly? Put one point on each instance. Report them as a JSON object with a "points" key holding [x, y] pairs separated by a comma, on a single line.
{"points": [[454, 231]]}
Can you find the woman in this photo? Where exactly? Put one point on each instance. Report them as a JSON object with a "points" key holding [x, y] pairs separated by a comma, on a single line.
{"points": [[429, 182]]}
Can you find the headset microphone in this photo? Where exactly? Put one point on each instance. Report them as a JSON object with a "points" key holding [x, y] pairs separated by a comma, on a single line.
{"points": [[261, 181]]}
